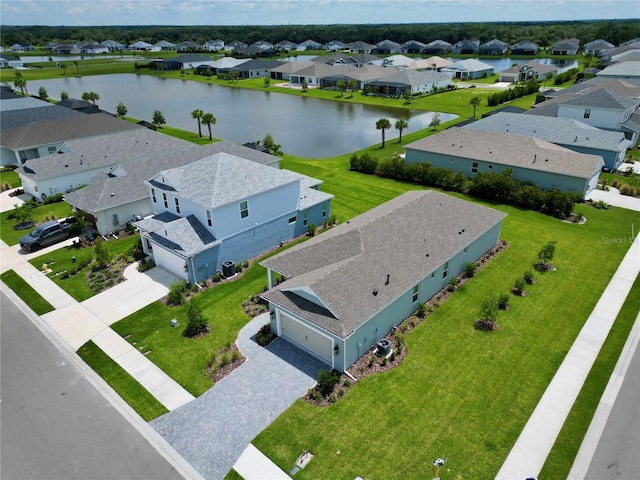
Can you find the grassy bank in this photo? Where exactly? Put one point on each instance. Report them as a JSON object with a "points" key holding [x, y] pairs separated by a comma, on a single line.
{"points": [[26, 293]]}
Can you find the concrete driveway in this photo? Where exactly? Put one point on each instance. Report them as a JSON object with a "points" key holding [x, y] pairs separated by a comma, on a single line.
{"points": [[212, 431]]}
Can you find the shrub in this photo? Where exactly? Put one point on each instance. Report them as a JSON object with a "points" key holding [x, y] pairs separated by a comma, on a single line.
{"points": [[238, 267], [528, 277], [346, 384], [176, 292], [245, 264], [102, 253], [326, 381], [370, 360], [422, 310], [486, 325], [217, 276], [489, 310], [453, 283], [196, 322], [518, 287], [145, 265], [55, 198], [265, 335], [311, 229], [628, 190], [600, 205], [503, 301], [470, 269], [366, 163], [547, 252]]}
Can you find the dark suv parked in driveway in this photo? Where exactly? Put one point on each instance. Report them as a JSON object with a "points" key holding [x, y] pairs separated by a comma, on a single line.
{"points": [[44, 235]]}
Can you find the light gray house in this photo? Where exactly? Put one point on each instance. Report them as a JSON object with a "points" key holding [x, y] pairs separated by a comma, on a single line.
{"points": [[469, 69], [493, 47], [566, 132], [598, 47], [623, 70], [120, 195], [225, 208], [530, 159], [309, 45], [410, 81], [526, 71], [570, 46], [360, 47], [114, 46], [466, 46], [524, 47], [348, 287]]}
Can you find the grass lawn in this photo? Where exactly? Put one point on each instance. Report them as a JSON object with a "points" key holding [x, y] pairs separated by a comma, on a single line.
{"points": [[560, 459], [124, 384], [632, 180], [52, 210], [76, 285], [26, 292], [11, 177]]}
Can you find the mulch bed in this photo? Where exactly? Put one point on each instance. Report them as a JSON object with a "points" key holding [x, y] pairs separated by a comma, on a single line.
{"points": [[217, 372], [364, 366]]}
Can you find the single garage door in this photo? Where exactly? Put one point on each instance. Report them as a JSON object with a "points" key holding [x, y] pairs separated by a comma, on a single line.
{"points": [[306, 338], [169, 261]]}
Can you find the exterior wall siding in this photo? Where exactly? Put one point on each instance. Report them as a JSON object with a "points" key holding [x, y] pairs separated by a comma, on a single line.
{"points": [[50, 186], [544, 180], [598, 117], [125, 213], [314, 215]]}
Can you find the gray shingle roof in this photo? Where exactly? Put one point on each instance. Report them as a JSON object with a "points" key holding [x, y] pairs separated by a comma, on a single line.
{"points": [[603, 98], [633, 123], [185, 236], [229, 178], [511, 150], [539, 68], [561, 131], [412, 77], [344, 265], [16, 118], [21, 103], [310, 197], [63, 129], [627, 68], [130, 186], [103, 151]]}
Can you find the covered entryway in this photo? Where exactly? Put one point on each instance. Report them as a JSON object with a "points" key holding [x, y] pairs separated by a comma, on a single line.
{"points": [[310, 340], [167, 260]]}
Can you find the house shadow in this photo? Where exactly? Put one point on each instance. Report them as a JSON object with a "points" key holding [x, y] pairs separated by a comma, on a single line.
{"points": [[296, 357]]}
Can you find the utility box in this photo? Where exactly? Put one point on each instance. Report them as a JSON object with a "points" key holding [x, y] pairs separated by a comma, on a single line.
{"points": [[228, 269]]}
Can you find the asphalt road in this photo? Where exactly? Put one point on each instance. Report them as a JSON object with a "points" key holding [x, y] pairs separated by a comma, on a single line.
{"points": [[617, 456], [54, 423]]}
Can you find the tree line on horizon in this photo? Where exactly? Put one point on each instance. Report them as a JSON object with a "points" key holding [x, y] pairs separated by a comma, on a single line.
{"points": [[543, 33]]}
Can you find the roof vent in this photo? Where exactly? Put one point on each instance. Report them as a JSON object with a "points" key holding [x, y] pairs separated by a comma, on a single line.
{"points": [[113, 194], [388, 278], [375, 293], [427, 255]]}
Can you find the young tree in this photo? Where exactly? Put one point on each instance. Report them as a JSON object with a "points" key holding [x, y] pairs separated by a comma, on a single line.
{"points": [[270, 144], [400, 126], [197, 115], [435, 121], [352, 85], [196, 322], [342, 86], [102, 253], [208, 73], [158, 119], [64, 67], [20, 82], [64, 96], [121, 110], [407, 97], [24, 212], [77, 65], [305, 85], [42, 93], [474, 102], [267, 82], [208, 119], [383, 124], [489, 310], [547, 252]]}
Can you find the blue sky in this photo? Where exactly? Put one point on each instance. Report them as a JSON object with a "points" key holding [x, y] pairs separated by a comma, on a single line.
{"points": [[278, 12]]}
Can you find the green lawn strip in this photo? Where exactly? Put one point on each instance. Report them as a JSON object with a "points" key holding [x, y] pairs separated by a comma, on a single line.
{"points": [[461, 393], [40, 214], [10, 177], [233, 475], [632, 180], [124, 384], [26, 292], [565, 449], [76, 285], [185, 359]]}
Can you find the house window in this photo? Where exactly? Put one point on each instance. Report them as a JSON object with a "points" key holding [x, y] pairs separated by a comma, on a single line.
{"points": [[209, 218], [177, 205], [445, 271], [587, 112], [244, 209], [324, 210], [52, 150], [305, 219], [164, 197], [416, 293], [451, 160], [474, 167], [153, 195], [465, 249], [292, 220], [433, 274], [490, 167]]}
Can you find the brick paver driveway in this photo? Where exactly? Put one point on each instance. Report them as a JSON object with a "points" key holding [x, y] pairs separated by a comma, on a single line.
{"points": [[212, 431]]}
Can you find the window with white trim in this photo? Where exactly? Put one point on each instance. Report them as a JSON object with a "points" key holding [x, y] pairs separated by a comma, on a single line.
{"points": [[164, 198], [292, 219], [324, 210], [587, 113], [474, 167], [416, 293], [244, 209], [445, 271], [305, 219], [153, 195], [52, 150], [177, 205], [209, 218]]}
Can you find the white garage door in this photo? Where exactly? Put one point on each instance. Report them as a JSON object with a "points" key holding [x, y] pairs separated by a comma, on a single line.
{"points": [[313, 342], [168, 260]]}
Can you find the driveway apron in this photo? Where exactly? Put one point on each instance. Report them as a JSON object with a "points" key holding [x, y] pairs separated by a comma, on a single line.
{"points": [[212, 431]]}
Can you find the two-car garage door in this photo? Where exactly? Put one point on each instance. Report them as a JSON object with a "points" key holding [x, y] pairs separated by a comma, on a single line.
{"points": [[305, 337]]}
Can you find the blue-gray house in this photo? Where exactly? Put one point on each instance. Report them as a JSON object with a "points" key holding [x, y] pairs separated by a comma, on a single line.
{"points": [[348, 287], [530, 159], [224, 208]]}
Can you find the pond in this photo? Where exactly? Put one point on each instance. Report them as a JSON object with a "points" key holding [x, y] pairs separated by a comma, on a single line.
{"points": [[306, 127], [500, 64]]}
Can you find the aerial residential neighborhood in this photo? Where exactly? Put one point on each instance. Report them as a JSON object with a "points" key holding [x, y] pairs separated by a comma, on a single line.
{"points": [[382, 251]]}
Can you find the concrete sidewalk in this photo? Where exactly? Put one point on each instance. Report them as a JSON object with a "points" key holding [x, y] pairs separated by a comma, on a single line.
{"points": [[614, 198], [255, 465], [530, 451]]}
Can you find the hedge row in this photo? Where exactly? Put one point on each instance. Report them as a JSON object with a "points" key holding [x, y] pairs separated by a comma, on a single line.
{"points": [[511, 94]]}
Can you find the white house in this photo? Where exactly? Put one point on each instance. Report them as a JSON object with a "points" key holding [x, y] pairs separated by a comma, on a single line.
{"points": [[223, 209]]}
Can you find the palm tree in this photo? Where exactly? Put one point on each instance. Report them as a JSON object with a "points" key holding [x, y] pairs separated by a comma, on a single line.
{"points": [[342, 86], [20, 82], [86, 96], [352, 84], [197, 114], [208, 119], [383, 124], [64, 67], [474, 102], [400, 126], [90, 97], [77, 65]]}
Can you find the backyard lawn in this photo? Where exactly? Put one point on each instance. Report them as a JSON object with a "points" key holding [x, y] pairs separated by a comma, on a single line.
{"points": [[9, 177], [40, 214]]}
